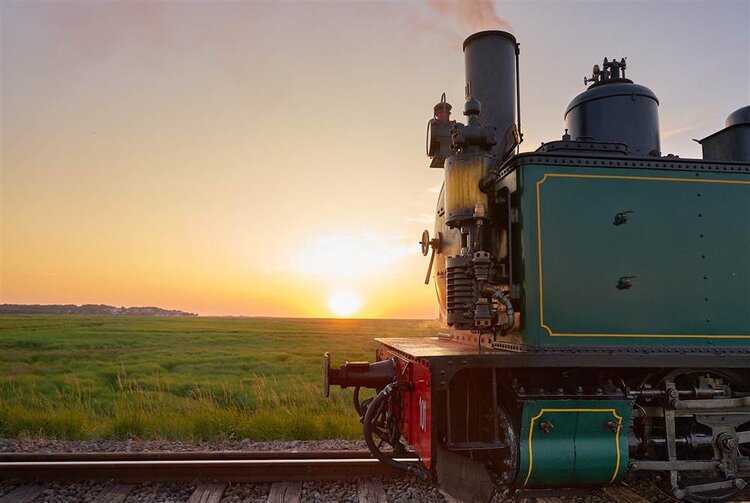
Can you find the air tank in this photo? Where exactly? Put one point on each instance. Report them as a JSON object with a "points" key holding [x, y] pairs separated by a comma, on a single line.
{"points": [[491, 64], [614, 109], [731, 143]]}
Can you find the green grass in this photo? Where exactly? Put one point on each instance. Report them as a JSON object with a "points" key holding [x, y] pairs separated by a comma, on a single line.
{"points": [[82, 377]]}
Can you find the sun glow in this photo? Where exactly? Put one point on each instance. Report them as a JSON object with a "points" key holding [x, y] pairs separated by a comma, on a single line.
{"points": [[344, 303], [353, 256]]}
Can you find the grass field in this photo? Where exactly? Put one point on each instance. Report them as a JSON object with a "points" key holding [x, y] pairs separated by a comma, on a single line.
{"points": [[79, 377]]}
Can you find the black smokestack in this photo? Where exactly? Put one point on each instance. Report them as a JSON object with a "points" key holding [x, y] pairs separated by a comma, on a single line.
{"points": [[491, 78]]}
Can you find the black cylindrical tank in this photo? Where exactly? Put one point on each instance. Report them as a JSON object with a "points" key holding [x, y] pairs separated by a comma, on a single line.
{"points": [[617, 111], [490, 58]]}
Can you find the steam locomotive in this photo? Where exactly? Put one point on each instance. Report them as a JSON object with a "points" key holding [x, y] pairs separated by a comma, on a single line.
{"points": [[595, 295]]}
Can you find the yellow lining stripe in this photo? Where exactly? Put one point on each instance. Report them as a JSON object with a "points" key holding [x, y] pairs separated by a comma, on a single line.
{"points": [[617, 437], [539, 253]]}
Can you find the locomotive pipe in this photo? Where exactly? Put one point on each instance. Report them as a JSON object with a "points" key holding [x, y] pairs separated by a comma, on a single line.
{"points": [[373, 411], [487, 182], [496, 293], [518, 97]]}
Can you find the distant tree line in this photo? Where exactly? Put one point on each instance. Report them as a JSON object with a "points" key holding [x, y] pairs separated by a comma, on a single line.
{"points": [[89, 309]]}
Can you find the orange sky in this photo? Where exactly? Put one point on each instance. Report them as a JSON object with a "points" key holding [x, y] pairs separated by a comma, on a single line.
{"points": [[262, 159]]}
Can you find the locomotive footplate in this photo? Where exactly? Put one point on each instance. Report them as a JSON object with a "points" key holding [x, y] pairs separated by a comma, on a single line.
{"points": [[446, 356]]}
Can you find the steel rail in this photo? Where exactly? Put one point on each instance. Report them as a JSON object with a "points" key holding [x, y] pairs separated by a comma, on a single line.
{"points": [[186, 455], [225, 466]]}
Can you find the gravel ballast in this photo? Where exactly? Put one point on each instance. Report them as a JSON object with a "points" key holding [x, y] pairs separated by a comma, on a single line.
{"points": [[246, 493], [323, 492], [407, 489], [160, 493], [63, 492]]}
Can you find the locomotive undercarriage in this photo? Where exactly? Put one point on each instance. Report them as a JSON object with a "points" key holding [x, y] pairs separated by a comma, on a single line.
{"points": [[690, 427]]}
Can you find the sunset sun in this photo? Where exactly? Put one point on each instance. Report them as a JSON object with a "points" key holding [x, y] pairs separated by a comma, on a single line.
{"points": [[344, 303]]}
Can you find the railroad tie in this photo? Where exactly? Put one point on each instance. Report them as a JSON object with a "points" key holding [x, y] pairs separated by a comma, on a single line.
{"points": [[285, 492], [23, 494], [207, 493], [371, 491], [114, 493]]}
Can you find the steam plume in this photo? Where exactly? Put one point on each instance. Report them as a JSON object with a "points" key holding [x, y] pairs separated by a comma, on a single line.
{"points": [[472, 15], [453, 21]]}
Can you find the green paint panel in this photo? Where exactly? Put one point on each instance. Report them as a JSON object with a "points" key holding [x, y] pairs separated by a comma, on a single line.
{"points": [[568, 442], [635, 257]]}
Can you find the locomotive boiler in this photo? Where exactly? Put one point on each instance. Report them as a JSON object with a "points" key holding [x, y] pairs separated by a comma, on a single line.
{"points": [[595, 297]]}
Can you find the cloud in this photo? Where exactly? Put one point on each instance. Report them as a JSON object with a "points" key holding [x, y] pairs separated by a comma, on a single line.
{"points": [[678, 131]]}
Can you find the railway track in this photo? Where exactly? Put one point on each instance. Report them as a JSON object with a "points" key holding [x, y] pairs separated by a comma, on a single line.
{"points": [[119, 474], [233, 466]]}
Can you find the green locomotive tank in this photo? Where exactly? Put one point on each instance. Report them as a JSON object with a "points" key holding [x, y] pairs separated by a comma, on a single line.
{"points": [[633, 252]]}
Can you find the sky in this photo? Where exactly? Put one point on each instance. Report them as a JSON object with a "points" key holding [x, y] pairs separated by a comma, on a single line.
{"points": [[267, 159]]}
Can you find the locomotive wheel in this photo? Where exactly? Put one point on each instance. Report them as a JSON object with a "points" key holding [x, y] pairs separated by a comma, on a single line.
{"points": [[509, 456], [688, 379]]}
